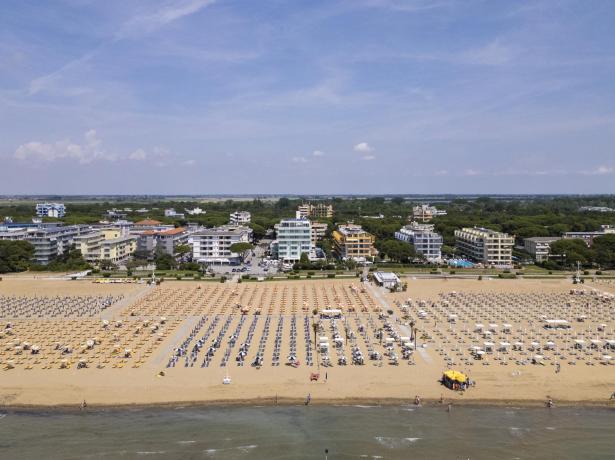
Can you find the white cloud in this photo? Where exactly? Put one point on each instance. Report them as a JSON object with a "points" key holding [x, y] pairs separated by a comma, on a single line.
{"points": [[601, 170], [174, 11], [138, 155], [471, 172], [90, 150], [318, 153], [363, 147], [300, 160], [369, 157]]}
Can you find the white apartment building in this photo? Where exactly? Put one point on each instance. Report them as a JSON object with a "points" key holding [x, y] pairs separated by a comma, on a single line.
{"points": [[48, 241], [425, 212], [172, 213], [240, 218], [213, 245], [195, 212], [50, 210], [294, 237], [485, 246], [424, 239], [539, 247]]}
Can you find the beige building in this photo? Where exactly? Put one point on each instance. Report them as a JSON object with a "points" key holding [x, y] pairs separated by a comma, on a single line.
{"points": [[106, 244], [315, 211], [352, 242], [89, 244], [319, 229], [118, 249], [485, 246]]}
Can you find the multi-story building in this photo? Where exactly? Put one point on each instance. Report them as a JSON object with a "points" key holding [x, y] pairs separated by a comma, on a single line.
{"points": [[485, 246], [424, 239], [168, 240], [50, 210], [118, 249], [90, 245], [539, 247], [352, 242], [240, 218], [213, 245], [588, 237], [172, 213], [294, 237], [195, 212], [319, 230], [425, 212], [315, 211], [48, 241]]}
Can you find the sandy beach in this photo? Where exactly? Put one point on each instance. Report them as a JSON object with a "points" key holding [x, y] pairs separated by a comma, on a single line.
{"points": [[114, 357]]}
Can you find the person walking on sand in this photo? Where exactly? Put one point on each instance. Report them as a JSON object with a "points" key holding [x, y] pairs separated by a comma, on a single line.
{"points": [[308, 399], [612, 396]]}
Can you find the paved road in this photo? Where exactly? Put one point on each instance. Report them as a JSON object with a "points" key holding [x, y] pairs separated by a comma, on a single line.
{"points": [[376, 292]]}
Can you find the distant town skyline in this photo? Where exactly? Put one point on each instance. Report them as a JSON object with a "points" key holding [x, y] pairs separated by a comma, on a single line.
{"points": [[307, 97]]}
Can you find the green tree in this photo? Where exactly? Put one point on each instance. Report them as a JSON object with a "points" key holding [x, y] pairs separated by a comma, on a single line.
{"points": [[164, 261], [183, 249], [242, 249], [603, 249], [571, 251], [15, 256], [398, 251]]}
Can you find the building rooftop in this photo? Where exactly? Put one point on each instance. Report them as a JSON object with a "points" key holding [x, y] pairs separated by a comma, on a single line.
{"points": [[147, 222]]}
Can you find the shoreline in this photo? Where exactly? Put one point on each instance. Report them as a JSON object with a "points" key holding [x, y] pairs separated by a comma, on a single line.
{"points": [[290, 402]]}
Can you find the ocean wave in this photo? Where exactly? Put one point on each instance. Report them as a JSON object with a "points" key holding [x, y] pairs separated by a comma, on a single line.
{"points": [[395, 443], [186, 442], [242, 449], [156, 452]]}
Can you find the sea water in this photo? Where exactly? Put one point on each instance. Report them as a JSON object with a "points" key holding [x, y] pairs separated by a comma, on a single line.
{"points": [[300, 432]]}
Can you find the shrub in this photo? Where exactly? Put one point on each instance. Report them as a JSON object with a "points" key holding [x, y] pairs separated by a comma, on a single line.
{"points": [[598, 272], [106, 275], [452, 272], [223, 279], [480, 277], [331, 275]]}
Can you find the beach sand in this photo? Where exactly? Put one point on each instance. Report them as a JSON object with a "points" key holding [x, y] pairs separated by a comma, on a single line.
{"points": [[113, 379]]}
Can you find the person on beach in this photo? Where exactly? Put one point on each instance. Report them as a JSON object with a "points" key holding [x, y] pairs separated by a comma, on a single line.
{"points": [[550, 403], [417, 400], [308, 399], [612, 396], [557, 368], [449, 408], [84, 405]]}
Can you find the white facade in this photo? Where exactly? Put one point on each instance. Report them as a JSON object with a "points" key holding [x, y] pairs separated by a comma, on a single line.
{"points": [[425, 212], [294, 237], [50, 210], [213, 245], [424, 239], [485, 246], [195, 211], [172, 213], [539, 247], [240, 218]]}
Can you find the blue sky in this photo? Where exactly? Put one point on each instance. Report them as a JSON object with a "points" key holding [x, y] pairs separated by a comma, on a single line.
{"points": [[273, 96]]}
